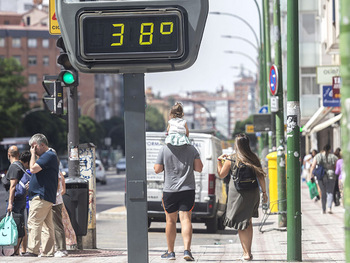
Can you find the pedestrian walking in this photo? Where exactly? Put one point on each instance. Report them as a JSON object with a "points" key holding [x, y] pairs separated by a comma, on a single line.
{"points": [[177, 127], [178, 164], [42, 194], [16, 201], [326, 184], [60, 237], [242, 205], [336, 192]]}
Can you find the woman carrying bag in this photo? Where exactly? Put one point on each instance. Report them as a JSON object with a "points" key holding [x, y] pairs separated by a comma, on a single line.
{"points": [[243, 201]]}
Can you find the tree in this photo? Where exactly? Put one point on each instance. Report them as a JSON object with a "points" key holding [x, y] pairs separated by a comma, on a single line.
{"points": [[154, 120], [114, 129], [53, 127], [240, 128], [90, 131], [12, 102]]}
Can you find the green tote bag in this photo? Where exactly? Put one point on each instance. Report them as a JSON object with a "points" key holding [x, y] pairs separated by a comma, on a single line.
{"points": [[8, 231]]}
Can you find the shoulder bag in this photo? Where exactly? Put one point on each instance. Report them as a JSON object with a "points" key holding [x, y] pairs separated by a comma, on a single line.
{"points": [[244, 177], [319, 171], [8, 231]]}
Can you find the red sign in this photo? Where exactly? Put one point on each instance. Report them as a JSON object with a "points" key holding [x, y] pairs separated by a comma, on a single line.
{"points": [[273, 80], [336, 87]]}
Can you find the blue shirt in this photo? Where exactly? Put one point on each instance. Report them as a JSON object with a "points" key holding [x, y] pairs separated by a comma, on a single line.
{"points": [[45, 182]]}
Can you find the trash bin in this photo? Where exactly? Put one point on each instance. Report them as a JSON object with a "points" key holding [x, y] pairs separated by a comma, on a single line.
{"points": [[76, 200], [273, 181]]}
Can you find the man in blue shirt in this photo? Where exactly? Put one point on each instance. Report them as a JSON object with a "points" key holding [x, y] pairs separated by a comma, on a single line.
{"points": [[42, 195]]}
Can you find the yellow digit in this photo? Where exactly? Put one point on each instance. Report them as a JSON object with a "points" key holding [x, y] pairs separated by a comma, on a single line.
{"points": [[150, 33], [162, 25], [121, 35]]}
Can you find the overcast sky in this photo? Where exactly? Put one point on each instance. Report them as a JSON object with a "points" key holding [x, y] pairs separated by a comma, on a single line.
{"points": [[213, 67]]}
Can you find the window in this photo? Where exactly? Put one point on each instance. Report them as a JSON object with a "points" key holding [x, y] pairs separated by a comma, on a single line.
{"points": [[2, 41], [32, 60], [45, 43], [32, 97], [46, 60], [16, 42], [308, 85], [32, 79], [32, 42], [308, 28]]}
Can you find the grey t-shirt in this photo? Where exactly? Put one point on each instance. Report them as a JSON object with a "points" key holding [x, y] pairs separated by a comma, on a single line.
{"points": [[178, 167]]}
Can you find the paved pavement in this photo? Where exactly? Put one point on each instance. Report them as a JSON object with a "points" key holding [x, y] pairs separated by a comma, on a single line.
{"points": [[322, 241]]}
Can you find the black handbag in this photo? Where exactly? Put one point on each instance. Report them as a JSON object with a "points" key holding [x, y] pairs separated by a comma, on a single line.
{"points": [[244, 177], [319, 172], [19, 220]]}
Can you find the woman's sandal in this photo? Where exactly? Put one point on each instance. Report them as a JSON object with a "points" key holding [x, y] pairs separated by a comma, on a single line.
{"points": [[243, 258]]}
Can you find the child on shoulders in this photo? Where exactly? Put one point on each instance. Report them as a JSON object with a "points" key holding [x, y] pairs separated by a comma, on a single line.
{"points": [[177, 127]]}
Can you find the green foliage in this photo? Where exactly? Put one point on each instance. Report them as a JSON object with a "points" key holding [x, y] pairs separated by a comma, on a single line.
{"points": [[12, 102], [240, 128], [154, 120], [53, 127], [90, 131], [114, 129]]}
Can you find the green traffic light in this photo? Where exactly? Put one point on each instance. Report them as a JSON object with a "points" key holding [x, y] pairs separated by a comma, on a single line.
{"points": [[68, 78]]}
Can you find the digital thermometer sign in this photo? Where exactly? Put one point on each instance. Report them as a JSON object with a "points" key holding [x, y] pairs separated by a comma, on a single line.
{"points": [[132, 35]]}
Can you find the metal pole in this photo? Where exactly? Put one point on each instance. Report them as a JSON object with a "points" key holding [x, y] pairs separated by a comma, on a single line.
{"points": [[135, 151], [73, 140], [267, 57], [294, 252], [281, 159], [345, 131]]}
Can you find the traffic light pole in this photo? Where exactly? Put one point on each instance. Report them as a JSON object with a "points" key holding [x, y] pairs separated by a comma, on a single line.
{"points": [[345, 131], [294, 252], [281, 159], [136, 181]]}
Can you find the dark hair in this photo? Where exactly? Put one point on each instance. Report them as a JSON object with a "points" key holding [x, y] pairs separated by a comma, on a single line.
{"points": [[245, 155], [337, 152], [177, 111], [25, 157]]}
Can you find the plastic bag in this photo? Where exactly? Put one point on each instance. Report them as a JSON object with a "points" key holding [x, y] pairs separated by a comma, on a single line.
{"points": [[312, 189], [8, 231]]}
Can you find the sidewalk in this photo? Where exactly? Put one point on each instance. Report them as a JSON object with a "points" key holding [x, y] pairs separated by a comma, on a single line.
{"points": [[322, 241]]}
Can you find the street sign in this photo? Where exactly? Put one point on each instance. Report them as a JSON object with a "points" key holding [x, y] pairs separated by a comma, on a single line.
{"points": [[324, 74], [264, 109], [273, 80], [262, 122], [132, 36], [336, 87], [274, 104], [54, 27], [249, 128], [328, 100]]}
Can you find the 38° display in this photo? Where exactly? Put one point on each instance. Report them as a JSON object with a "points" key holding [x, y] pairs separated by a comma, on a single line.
{"points": [[135, 35]]}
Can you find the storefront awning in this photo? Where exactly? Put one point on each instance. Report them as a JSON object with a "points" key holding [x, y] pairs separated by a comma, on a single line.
{"points": [[326, 123], [318, 116]]}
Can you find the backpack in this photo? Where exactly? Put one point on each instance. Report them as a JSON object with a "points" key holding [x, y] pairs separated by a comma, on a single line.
{"points": [[244, 177], [21, 190]]}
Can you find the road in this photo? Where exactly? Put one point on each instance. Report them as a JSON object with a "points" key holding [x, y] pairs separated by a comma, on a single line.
{"points": [[111, 231]]}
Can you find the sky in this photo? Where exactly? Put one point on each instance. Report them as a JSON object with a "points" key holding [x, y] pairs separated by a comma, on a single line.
{"points": [[214, 68]]}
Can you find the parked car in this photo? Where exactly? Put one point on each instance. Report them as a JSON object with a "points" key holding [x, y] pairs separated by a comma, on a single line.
{"points": [[100, 172], [121, 165]]}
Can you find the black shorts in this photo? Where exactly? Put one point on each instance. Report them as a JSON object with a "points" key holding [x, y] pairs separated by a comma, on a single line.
{"points": [[178, 201]]}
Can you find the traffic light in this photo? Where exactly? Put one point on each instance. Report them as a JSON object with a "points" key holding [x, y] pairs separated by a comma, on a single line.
{"points": [[68, 75], [54, 98]]}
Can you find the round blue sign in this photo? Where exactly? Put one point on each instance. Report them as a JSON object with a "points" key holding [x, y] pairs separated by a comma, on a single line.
{"points": [[273, 80]]}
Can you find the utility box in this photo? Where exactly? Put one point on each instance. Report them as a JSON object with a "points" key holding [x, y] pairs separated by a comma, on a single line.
{"points": [[76, 200]]}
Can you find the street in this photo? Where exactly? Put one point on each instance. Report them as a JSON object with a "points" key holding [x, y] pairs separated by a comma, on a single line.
{"points": [[111, 224]]}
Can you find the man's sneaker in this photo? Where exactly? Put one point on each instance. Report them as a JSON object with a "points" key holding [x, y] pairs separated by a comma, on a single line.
{"points": [[60, 254], [188, 255], [167, 255]]}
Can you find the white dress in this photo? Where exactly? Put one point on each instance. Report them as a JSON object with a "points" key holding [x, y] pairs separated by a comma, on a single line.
{"points": [[177, 132]]}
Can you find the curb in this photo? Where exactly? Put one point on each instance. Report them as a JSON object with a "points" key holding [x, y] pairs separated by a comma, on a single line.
{"points": [[113, 213]]}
